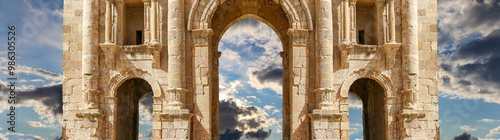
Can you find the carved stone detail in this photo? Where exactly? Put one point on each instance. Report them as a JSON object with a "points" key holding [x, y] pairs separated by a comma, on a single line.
{"points": [[324, 97], [201, 37], [177, 97]]}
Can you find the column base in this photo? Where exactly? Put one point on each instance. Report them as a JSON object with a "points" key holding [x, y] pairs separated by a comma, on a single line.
{"points": [[176, 124], [325, 124]]}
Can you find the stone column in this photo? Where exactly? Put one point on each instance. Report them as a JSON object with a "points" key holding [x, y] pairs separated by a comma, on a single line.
{"points": [[353, 21], [147, 14], [411, 113], [107, 26], [175, 117], [120, 11], [325, 44], [347, 21], [410, 57], [392, 23], [90, 53], [89, 115], [153, 20]]}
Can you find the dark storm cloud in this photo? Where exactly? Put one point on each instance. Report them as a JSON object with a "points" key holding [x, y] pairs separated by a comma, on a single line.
{"points": [[231, 134], [483, 14], [473, 70], [483, 48], [258, 135], [147, 102], [50, 96], [465, 136], [485, 53], [270, 74], [229, 121]]}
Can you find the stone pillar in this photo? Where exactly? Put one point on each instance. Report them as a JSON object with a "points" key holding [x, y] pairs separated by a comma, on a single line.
{"points": [[90, 53], [353, 21], [203, 68], [153, 20], [410, 56], [107, 26], [298, 64], [175, 42], [325, 43], [175, 117], [120, 11], [411, 113], [147, 14], [347, 21], [392, 23]]}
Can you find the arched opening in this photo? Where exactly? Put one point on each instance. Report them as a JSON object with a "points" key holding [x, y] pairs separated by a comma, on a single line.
{"points": [[129, 93], [250, 80], [372, 95]]}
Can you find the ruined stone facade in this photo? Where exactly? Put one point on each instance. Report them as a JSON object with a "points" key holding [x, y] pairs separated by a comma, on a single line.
{"points": [[117, 51]]}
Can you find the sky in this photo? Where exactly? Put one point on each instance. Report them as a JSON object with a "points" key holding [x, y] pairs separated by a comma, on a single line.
{"points": [[250, 74]]}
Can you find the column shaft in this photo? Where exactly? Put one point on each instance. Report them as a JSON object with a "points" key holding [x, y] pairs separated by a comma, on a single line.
{"points": [[175, 42], [90, 44], [410, 46], [107, 25], [153, 20], [325, 42], [392, 23], [347, 21]]}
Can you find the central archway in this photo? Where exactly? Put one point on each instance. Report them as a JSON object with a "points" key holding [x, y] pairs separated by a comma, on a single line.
{"points": [[291, 20]]}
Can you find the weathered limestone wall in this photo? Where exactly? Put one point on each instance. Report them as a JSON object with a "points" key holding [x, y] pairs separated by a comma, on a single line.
{"points": [[321, 59]]}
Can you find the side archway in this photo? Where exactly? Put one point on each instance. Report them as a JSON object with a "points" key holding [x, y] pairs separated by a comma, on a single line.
{"points": [[373, 104], [111, 98]]}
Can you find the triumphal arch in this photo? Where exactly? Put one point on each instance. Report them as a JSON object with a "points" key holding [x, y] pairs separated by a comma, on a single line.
{"points": [[383, 51]]}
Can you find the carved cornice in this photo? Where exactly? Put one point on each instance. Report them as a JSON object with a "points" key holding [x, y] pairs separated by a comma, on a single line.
{"points": [[90, 113], [410, 114], [300, 37]]}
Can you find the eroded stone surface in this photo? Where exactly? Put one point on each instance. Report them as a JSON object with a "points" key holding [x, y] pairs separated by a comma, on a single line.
{"points": [[380, 50]]}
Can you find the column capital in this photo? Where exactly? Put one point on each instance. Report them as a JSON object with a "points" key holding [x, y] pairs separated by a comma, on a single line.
{"points": [[201, 37], [146, 2], [300, 37], [177, 97], [324, 98]]}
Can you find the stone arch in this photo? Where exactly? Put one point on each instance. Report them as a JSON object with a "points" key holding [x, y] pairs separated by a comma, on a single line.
{"points": [[130, 73], [202, 11], [370, 73], [110, 96], [383, 81], [281, 36]]}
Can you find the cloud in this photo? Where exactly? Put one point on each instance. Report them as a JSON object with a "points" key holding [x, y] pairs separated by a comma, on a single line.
{"points": [[270, 77], [355, 102], [231, 134], [36, 124], [467, 128], [258, 135], [489, 120], [472, 72], [465, 136], [493, 132], [45, 99], [461, 20], [240, 121]]}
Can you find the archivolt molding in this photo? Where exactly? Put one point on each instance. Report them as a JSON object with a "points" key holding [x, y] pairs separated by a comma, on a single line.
{"points": [[370, 73], [130, 73], [202, 11]]}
